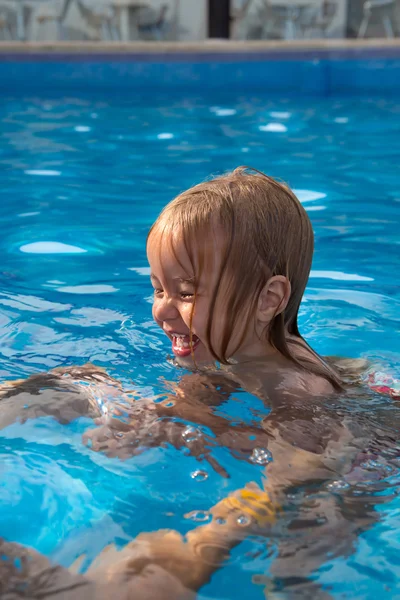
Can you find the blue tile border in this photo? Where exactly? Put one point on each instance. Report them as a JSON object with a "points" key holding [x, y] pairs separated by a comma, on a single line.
{"points": [[316, 71]]}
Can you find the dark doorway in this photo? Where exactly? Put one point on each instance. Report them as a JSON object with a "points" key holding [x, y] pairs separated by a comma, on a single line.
{"points": [[218, 18]]}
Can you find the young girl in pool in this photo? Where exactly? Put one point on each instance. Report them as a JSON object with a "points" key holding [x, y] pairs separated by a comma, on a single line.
{"points": [[230, 260]]}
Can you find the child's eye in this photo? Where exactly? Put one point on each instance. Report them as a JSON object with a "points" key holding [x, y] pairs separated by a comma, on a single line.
{"points": [[157, 291], [186, 295]]}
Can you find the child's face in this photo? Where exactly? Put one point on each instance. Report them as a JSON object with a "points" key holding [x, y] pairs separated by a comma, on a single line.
{"points": [[174, 295]]}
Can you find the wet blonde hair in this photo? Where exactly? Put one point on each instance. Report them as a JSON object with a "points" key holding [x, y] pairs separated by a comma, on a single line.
{"points": [[265, 231]]}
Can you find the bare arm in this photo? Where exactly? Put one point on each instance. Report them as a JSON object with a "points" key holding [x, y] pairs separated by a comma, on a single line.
{"points": [[161, 565], [70, 392], [24, 573], [193, 559], [179, 420], [127, 426], [64, 393]]}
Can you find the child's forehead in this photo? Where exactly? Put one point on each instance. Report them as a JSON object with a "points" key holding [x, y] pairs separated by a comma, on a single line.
{"points": [[172, 251], [168, 252]]}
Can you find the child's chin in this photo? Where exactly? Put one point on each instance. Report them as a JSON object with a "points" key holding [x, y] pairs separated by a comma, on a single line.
{"points": [[201, 360]]}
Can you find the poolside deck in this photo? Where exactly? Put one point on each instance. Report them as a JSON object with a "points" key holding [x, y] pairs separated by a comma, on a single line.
{"points": [[198, 48]]}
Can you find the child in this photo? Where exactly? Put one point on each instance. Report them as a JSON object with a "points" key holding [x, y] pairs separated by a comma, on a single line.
{"points": [[230, 259]]}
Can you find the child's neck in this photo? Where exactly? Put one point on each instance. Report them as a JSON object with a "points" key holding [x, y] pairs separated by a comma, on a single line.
{"points": [[259, 352]]}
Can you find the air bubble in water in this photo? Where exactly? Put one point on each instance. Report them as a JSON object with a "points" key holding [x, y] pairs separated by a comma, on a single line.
{"points": [[261, 456], [199, 475], [243, 520], [338, 486], [126, 324], [199, 516], [191, 434]]}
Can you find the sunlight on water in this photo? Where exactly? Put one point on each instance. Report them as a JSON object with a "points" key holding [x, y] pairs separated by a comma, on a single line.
{"points": [[339, 276], [87, 289], [51, 248], [309, 195]]}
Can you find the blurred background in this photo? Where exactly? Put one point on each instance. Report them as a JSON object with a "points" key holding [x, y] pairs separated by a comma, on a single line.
{"points": [[196, 20]]}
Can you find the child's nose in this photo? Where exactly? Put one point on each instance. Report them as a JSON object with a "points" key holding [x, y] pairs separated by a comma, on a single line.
{"points": [[165, 309]]}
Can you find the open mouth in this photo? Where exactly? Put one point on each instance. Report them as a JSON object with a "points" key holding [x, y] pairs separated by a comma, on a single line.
{"points": [[181, 345]]}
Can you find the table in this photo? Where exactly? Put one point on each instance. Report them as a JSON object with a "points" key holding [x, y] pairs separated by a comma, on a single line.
{"points": [[128, 13], [294, 7]]}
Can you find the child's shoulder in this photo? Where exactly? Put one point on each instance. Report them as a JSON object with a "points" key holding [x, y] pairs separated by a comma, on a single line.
{"points": [[295, 382], [277, 380]]}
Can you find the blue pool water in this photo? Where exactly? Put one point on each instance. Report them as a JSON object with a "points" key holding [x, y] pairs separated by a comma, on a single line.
{"points": [[82, 178]]}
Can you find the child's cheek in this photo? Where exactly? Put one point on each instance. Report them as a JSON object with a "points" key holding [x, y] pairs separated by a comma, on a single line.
{"points": [[186, 314], [154, 313]]}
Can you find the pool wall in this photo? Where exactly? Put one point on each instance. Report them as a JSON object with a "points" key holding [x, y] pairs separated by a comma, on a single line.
{"points": [[317, 68]]}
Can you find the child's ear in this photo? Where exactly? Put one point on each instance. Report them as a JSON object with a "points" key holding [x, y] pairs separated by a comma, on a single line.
{"points": [[273, 298]]}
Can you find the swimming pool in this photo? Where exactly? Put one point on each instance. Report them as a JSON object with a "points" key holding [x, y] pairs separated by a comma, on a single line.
{"points": [[83, 175]]}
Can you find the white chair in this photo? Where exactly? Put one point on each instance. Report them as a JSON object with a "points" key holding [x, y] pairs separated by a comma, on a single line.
{"points": [[316, 20], [152, 24], [382, 10], [103, 20], [6, 31], [261, 20], [56, 14], [13, 20], [238, 17], [281, 21]]}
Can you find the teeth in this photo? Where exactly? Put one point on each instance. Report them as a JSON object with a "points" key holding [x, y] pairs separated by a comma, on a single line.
{"points": [[181, 340]]}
